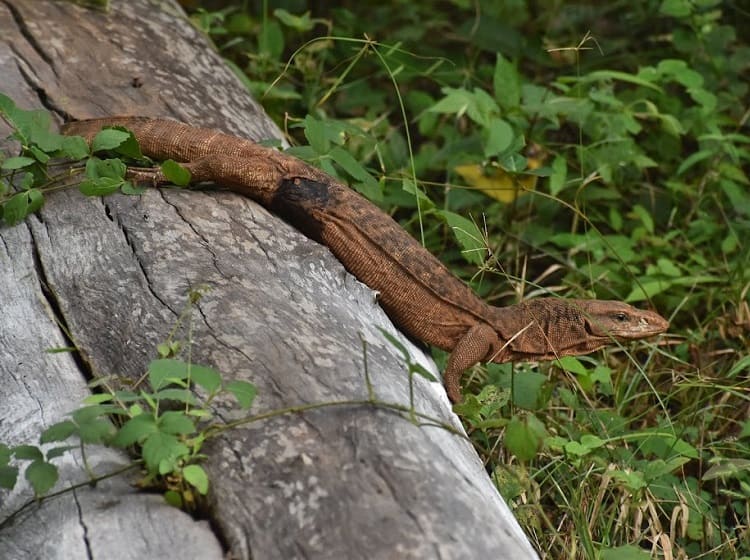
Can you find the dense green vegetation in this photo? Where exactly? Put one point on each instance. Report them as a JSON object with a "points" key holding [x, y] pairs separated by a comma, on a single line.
{"points": [[585, 149]]}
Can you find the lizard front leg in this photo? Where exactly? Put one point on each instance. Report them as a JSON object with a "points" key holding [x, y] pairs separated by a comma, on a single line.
{"points": [[471, 349]]}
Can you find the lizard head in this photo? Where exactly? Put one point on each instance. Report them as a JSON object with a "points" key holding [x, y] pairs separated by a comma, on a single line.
{"points": [[548, 328], [619, 320]]}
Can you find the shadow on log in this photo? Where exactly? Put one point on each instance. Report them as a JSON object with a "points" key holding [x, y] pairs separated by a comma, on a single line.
{"points": [[337, 482]]}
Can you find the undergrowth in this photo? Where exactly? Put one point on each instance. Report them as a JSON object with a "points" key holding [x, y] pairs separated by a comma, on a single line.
{"points": [[590, 150]]}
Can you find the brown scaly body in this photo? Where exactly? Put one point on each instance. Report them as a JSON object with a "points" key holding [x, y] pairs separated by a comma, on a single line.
{"points": [[417, 291]]}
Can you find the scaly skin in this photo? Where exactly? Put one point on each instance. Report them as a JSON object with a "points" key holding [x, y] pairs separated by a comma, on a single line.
{"points": [[417, 291]]}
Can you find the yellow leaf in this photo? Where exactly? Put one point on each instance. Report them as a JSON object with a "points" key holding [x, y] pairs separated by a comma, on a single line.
{"points": [[497, 183]]}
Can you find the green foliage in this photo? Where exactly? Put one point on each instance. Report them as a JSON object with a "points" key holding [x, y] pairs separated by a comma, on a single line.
{"points": [[531, 155], [165, 425], [31, 172]]}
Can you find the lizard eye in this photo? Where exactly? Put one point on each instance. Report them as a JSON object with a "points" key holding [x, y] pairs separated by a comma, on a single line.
{"points": [[621, 317]]}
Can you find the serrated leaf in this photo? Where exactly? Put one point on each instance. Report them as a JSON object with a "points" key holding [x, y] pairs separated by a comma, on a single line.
{"points": [[182, 395], [196, 476], [108, 139], [162, 370], [205, 377], [135, 430], [96, 431], [58, 432], [243, 391], [88, 413], [175, 173], [17, 162], [160, 447], [42, 476], [28, 453], [176, 422], [74, 147]]}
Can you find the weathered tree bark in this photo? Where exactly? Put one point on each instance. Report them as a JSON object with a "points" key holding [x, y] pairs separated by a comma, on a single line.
{"points": [[337, 482]]}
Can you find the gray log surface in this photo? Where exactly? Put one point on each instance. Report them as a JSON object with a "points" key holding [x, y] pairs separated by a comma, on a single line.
{"points": [[337, 482]]}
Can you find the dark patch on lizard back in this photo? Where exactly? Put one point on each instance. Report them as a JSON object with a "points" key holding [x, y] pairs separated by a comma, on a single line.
{"points": [[294, 201], [396, 244]]}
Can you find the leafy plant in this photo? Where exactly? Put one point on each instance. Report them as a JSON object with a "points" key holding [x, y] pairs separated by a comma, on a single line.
{"points": [[535, 156]]}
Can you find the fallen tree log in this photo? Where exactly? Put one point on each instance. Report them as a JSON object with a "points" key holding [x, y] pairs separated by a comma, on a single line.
{"points": [[111, 276]]}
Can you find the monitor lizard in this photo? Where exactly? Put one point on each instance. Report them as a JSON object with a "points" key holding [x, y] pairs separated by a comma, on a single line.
{"points": [[417, 291]]}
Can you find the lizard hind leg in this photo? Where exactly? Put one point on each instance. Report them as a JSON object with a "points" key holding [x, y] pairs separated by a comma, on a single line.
{"points": [[471, 349]]}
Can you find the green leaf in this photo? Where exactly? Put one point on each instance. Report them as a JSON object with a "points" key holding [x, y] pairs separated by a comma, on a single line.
{"points": [[243, 391], [196, 476], [176, 422], [88, 413], [160, 447], [112, 168], [477, 105], [317, 137], [8, 477], [135, 430], [21, 205], [353, 167], [206, 377], [571, 364], [54, 452], [524, 438], [18, 162], [559, 175], [74, 147], [160, 372], [500, 137], [108, 139], [5, 451], [301, 23], [42, 476], [625, 552], [182, 395], [99, 398], [176, 173], [173, 498], [100, 186], [28, 453], [58, 432], [468, 235], [506, 83], [96, 431], [587, 444], [130, 189], [271, 40]]}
